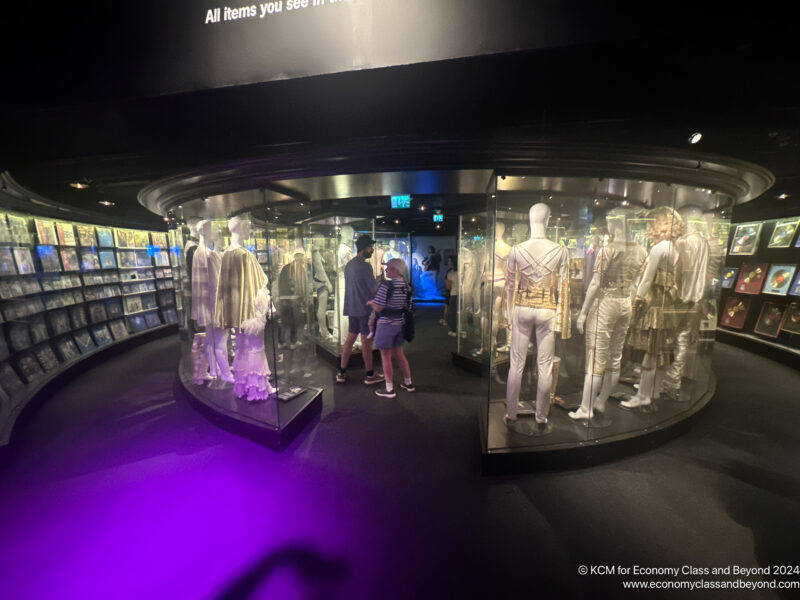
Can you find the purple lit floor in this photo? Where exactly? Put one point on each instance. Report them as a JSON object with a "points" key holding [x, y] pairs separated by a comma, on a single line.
{"points": [[115, 489]]}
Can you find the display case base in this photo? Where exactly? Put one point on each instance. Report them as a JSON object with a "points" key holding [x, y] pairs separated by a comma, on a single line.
{"points": [[273, 423]]}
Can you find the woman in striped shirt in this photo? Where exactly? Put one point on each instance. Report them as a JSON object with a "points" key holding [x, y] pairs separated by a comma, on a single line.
{"points": [[390, 303]]}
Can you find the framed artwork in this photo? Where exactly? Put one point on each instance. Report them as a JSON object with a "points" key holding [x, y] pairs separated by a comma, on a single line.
{"points": [[84, 341], [46, 357], [118, 329], [66, 234], [49, 259], [30, 368], [66, 348], [152, 319], [86, 236], [90, 261], [161, 258], [783, 233], [751, 276], [69, 258], [46, 232], [795, 289], [124, 238], [143, 259], [9, 380], [101, 335], [791, 322], [138, 323], [261, 244], [24, 261], [105, 238], [779, 279], [107, 260], [7, 266], [729, 277], [735, 312], [770, 320], [745, 239]]}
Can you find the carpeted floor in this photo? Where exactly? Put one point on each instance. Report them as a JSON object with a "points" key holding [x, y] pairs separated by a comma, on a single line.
{"points": [[115, 489]]}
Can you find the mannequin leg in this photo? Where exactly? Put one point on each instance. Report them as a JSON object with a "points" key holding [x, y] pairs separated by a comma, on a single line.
{"points": [[545, 352], [683, 348], [644, 396], [213, 369], [220, 342], [322, 306], [610, 380], [591, 389], [523, 324]]}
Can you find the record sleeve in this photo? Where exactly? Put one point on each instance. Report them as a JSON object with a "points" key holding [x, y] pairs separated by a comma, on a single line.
{"points": [[133, 304], [745, 239], [779, 279], [69, 258], [138, 323], [152, 319], [141, 239], [159, 239], [19, 337], [9, 380], [101, 335], [46, 232], [84, 341], [77, 317], [107, 259], [143, 259], [66, 348], [89, 260], [791, 322], [97, 312], [24, 261], [5, 290], [66, 234], [86, 236], [46, 357], [729, 277], [751, 276], [59, 321], [7, 266], [770, 320], [118, 329], [735, 312], [49, 259], [105, 239], [114, 308], [124, 238], [30, 368], [38, 329], [149, 301], [19, 229], [170, 315], [161, 258], [126, 259], [783, 233]]}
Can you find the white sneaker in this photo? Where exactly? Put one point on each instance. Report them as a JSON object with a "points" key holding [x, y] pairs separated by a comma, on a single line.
{"points": [[581, 413], [635, 402]]}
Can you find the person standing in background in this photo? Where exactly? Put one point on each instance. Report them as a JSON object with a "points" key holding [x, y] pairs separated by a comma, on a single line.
{"points": [[451, 294]]}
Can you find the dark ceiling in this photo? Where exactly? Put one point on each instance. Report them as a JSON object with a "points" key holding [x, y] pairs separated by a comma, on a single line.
{"points": [[743, 96]]}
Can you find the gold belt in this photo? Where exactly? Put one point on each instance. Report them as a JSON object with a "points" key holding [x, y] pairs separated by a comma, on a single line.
{"points": [[536, 298]]}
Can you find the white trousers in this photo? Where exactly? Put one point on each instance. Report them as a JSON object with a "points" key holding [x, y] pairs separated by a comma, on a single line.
{"points": [[524, 319], [606, 329], [685, 345]]}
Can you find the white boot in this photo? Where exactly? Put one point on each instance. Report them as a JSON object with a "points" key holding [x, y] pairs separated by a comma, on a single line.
{"points": [[591, 386]]}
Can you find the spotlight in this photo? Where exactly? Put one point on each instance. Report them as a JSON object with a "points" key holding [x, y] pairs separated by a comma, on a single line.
{"points": [[422, 207], [695, 137], [397, 221], [78, 185], [784, 196], [438, 227], [105, 203]]}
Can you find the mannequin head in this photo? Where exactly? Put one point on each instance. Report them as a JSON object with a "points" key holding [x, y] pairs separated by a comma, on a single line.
{"points": [[203, 229], [192, 223], [239, 228], [694, 219], [519, 232], [392, 244], [618, 223], [499, 232], [346, 235], [664, 224], [539, 216]]}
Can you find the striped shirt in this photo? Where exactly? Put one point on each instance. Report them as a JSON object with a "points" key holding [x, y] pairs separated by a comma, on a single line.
{"points": [[397, 301]]}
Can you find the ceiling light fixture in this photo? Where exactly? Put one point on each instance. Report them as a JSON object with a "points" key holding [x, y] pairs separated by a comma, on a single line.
{"points": [[422, 207], [784, 196], [105, 203], [695, 137], [78, 185]]}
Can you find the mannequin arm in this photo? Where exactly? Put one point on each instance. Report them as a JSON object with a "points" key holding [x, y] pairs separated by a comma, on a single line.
{"points": [[511, 280], [649, 272], [591, 296]]}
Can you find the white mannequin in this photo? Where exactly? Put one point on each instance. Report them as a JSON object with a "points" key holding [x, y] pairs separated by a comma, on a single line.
{"points": [[466, 277], [391, 252], [324, 288], [537, 294], [609, 295], [205, 272], [498, 280], [344, 253]]}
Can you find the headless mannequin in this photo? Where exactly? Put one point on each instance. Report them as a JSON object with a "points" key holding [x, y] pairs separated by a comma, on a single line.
{"points": [[498, 282], [216, 346], [531, 264], [605, 337], [324, 288], [466, 277], [343, 255]]}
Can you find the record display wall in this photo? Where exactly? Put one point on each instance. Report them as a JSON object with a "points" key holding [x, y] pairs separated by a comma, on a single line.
{"points": [[761, 283], [69, 289]]}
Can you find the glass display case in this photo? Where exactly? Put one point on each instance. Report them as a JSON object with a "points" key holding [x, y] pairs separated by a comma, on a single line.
{"points": [[331, 243], [590, 311], [390, 245]]}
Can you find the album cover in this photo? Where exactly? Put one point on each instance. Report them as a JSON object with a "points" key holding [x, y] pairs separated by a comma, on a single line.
{"points": [[159, 239], [7, 266], [46, 232], [124, 238], [149, 301], [770, 320], [5, 232], [118, 329], [59, 321], [84, 341], [138, 323], [166, 298], [69, 258], [66, 349], [49, 259], [261, 244], [19, 336], [77, 317], [15, 286], [30, 368], [143, 259], [152, 319], [9, 380], [126, 259], [97, 312], [107, 259], [38, 328], [90, 261], [751, 276], [46, 357], [779, 279], [783, 233], [19, 229], [114, 308], [735, 312], [101, 335], [5, 290], [105, 238], [729, 276], [66, 234], [27, 286], [170, 315], [77, 296], [86, 236], [141, 239], [24, 261], [745, 238], [161, 258], [133, 304]]}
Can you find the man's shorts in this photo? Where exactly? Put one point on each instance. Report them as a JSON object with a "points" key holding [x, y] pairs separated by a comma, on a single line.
{"points": [[389, 335], [359, 325]]}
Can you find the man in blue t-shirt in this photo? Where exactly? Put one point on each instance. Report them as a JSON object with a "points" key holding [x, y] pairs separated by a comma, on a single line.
{"points": [[359, 288]]}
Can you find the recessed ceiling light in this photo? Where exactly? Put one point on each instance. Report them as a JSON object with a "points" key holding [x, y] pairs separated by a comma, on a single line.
{"points": [[784, 196], [695, 137], [438, 227], [106, 203], [397, 221], [422, 207], [166, 219], [78, 185]]}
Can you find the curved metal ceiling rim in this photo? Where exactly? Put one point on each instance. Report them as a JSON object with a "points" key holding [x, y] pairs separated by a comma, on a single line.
{"points": [[739, 179]]}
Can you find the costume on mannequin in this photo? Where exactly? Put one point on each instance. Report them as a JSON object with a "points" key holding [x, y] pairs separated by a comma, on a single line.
{"points": [[242, 304], [537, 291], [323, 287], [468, 271], [293, 291], [497, 280], [607, 312], [654, 320], [205, 277], [344, 253], [693, 250]]}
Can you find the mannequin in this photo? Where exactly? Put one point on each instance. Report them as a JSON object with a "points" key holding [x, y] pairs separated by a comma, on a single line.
{"points": [[188, 251], [378, 260], [243, 303], [537, 292], [343, 255], [607, 312], [205, 276], [323, 287], [293, 292], [519, 232], [693, 249], [497, 279], [391, 252], [466, 278], [654, 321]]}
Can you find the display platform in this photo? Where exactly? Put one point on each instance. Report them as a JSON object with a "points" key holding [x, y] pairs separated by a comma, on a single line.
{"points": [[274, 423]]}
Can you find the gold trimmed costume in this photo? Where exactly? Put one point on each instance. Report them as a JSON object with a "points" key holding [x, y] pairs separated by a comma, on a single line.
{"points": [[240, 279]]}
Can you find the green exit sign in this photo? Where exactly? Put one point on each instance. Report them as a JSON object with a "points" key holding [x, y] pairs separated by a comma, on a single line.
{"points": [[401, 201]]}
